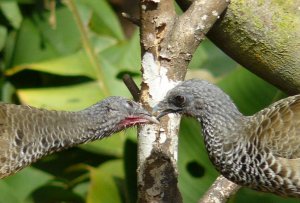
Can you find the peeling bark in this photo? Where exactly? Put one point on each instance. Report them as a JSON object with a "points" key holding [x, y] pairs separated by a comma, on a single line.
{"points": [[168, 42]]}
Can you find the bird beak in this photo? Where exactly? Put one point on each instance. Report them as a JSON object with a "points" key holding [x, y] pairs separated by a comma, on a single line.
{"points": [[165, 112], [151, 119]]}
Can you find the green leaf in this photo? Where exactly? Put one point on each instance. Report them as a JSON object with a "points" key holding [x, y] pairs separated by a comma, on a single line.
{"points": [[73, 65], [55, 193], [34, 51], [12, 12], [7, 194], [125, 55], [104, 21], [106, 183], [75, 97], [249, 92], [101, 43], [211, 58], [26, 181], [3, 35], [116, 86], [112, 146], [65, 37], [46, 42]]}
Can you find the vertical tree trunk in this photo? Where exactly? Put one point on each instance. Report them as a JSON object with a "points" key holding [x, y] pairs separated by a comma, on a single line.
{"points": [[168, 42]]}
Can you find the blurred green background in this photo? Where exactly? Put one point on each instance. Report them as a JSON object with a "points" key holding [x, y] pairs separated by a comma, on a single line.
{"points": [[67, 55]]}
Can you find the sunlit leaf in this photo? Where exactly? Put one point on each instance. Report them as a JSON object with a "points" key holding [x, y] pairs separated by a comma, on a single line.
{"points": [[125, 55], [74, 65], [46, 42], [26, 181], [36, 50], [106, 183], [104, 21], [65, 37], [75, 97], [12, 12]]}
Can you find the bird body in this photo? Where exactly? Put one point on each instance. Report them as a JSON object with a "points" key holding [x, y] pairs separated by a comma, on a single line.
{"points": [[260, 151], [28, 133]]}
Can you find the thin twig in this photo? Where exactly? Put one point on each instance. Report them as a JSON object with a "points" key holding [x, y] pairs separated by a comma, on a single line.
{"points": [[131, 19], [132, 87]]}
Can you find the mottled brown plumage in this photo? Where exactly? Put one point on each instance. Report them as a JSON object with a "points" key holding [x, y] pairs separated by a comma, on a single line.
{"points": [[260, 151], [27, 133]]}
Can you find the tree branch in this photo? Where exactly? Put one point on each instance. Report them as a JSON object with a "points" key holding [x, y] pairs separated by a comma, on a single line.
{"points": [[263, 37], [220, 191], [132, 87], [168, 42]]}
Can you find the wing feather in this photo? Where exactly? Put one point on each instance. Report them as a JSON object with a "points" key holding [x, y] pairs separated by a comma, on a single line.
{"points": [[278, 128]]}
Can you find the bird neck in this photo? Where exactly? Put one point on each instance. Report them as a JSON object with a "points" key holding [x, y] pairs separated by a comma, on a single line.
{"points": [[88, 128], [220, 126], [67, 129]]}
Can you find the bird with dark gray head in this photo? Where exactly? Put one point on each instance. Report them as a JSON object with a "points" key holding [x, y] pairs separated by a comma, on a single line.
{"points": [[260, 151], [28, 133]]}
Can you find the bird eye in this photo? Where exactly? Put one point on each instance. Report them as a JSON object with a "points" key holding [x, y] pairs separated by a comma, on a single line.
{"points": [[129, 103], [179, 100]]}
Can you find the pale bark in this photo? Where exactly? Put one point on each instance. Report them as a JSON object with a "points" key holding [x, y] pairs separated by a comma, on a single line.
{"points": [[220, 191], [168, 42]]}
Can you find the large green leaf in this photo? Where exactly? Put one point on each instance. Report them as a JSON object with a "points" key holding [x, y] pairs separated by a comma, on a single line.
{"points": [[7, 194], [3, 35], [36, 50], [107, 182], [26, 181], [104, 21], [73, 65], [211, 58], [64, 38], [249, 92], [75, 97], [112, 146], [125, 55], [115, 85], [45, 41], [12, 13]]}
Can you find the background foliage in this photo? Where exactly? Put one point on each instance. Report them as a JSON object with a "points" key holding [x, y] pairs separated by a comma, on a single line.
{"points": [[57, 57]]}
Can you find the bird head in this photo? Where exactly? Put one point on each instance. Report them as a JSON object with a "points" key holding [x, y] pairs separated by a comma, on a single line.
{"points": [[117, 113], [195, 98]]}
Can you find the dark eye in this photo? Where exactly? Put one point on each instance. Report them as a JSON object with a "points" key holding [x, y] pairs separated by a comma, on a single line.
{"points": [[179, 100], [130, 103]]}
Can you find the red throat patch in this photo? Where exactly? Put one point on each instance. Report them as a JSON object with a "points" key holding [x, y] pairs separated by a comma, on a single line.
{"points": [[133, 120]]}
